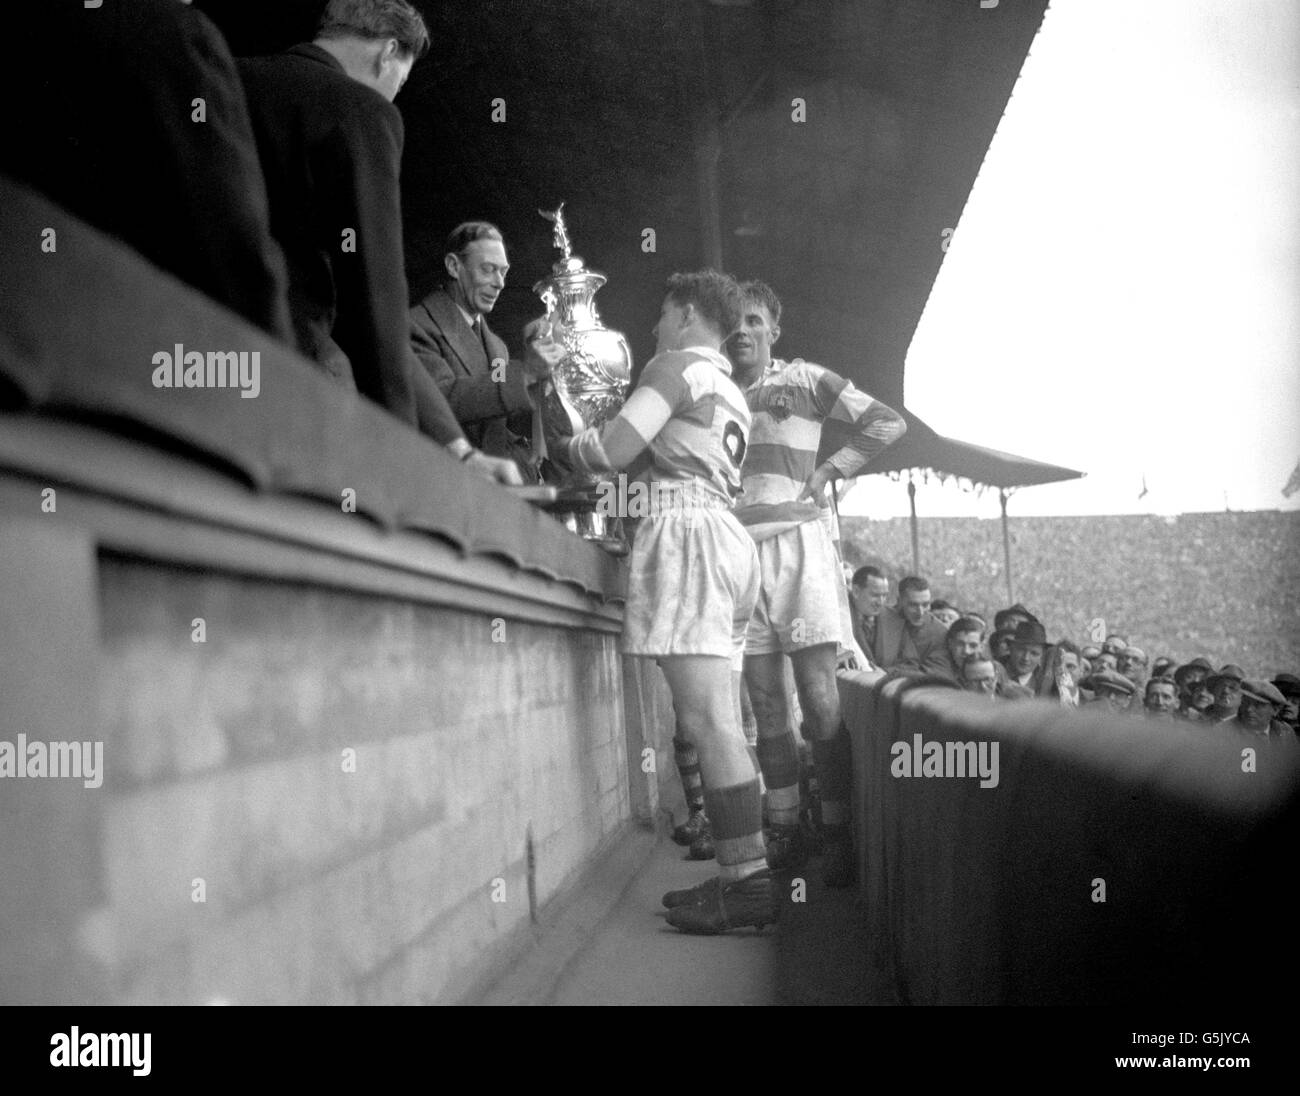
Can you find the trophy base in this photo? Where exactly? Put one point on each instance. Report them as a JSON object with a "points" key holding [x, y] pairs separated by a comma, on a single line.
{"points": [[604, 532], [576, 509]]}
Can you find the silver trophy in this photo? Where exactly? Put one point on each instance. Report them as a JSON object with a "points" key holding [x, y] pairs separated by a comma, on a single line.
{"points": [[589, 385]]}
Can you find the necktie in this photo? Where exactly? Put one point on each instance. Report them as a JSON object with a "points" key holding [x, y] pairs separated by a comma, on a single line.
{"points": [[480, 329]]}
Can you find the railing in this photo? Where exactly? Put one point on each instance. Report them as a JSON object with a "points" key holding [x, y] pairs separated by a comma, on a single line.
{"points": [[1116, 860]]}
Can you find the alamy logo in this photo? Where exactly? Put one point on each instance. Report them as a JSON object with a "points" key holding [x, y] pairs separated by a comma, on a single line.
{"points": [[952, 759], [216, 369], [82, 761], [90, 1049], [637, 499]]}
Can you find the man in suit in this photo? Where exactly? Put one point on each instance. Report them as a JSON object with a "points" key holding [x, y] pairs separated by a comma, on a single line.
{"points": [[141, 129], [330, 140], [469, 363], [869, 592], [906, 636]]}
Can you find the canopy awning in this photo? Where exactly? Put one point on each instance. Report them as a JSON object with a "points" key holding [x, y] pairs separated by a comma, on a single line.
{"points": [[923, 448]]}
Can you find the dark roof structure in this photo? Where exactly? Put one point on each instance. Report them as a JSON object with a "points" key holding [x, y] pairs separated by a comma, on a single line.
{"points": [[823, 146]]}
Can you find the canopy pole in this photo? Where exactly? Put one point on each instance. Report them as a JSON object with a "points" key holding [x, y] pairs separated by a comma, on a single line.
{"points": [[916, 542], [1006, 545]]}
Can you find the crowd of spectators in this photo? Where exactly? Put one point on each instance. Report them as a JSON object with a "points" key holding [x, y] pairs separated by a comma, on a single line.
{"points": [[1014, 659]]}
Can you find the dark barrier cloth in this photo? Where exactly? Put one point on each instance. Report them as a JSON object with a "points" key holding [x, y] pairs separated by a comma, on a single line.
{"points": [[78, 331], [986, 895]]}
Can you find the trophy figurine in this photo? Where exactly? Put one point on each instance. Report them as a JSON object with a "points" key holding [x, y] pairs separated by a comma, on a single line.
{"points": [[589, 385]]}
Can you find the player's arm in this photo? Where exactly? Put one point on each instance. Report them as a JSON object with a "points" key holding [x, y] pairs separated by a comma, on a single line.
{"points": [[618, 443], [875, 427]]}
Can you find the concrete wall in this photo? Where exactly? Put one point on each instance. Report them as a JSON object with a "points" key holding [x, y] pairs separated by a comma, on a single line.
{"points": [[1116, 861], [236, 851]]}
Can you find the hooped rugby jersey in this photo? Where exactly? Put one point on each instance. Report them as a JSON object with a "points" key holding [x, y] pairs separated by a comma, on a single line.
{"points": [[789, 403], [686, 415]]}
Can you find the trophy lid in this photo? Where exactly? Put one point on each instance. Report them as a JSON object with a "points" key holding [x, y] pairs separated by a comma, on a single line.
{"points": [[569, 271]]}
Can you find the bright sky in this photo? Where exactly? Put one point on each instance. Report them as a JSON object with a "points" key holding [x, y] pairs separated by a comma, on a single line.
{"points": [[1122, 294]]}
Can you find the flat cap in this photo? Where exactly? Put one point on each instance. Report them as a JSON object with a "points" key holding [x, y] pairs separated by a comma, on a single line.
{"points": [[1108, 681], [1263, 691]]}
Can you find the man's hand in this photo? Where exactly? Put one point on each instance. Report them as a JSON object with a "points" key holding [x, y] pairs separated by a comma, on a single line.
{"points": [[543, 353], [815, 488], [847, 660], [497, 469]]}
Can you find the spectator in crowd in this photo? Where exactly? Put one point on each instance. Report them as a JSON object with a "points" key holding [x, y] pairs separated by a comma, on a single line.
{"points": [[1114, 644], [869, 592], [984, 624], [944, 612], [979, 674], [1010, 617], [1132, 663], [1087, 656], [1226, 687], [1062, 672], [1194, 695], [1163, 667], [1110, 689], [465, 357], [963, 639], [1258, 708], [330, 142], [1289, 686], [906, 636], [1024, 664], [1000, 644], [1105, 660], [110, 134], [1160, 699]]}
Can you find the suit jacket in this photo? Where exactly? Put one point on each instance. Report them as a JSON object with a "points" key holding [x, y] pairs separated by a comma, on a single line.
{"points": [[109, 134], [331, 151], [900, 646], [495, 414]]}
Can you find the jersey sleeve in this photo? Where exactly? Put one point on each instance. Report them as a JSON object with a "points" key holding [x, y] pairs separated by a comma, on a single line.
{"points": [[875, 425], [663, 392]]}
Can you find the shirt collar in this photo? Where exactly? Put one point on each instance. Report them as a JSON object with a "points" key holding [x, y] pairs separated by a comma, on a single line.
{"points": [[715, 356]]}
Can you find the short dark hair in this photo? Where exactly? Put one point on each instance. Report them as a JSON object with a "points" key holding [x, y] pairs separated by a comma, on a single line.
{"points": [[863, 573], [376, 19], [716, 297], [466, 233], [754, 290], [1069, 645], [912, 582], [964, 624]]}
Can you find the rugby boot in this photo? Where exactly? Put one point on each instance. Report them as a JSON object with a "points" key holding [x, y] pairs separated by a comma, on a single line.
{"points": [[692, 895], [689, 830], [746, 902], [787, 849], [839, 866], [702, 847]]}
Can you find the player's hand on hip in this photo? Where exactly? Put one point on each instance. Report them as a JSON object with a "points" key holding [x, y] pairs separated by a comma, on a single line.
{"points": [[815, 488]]}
